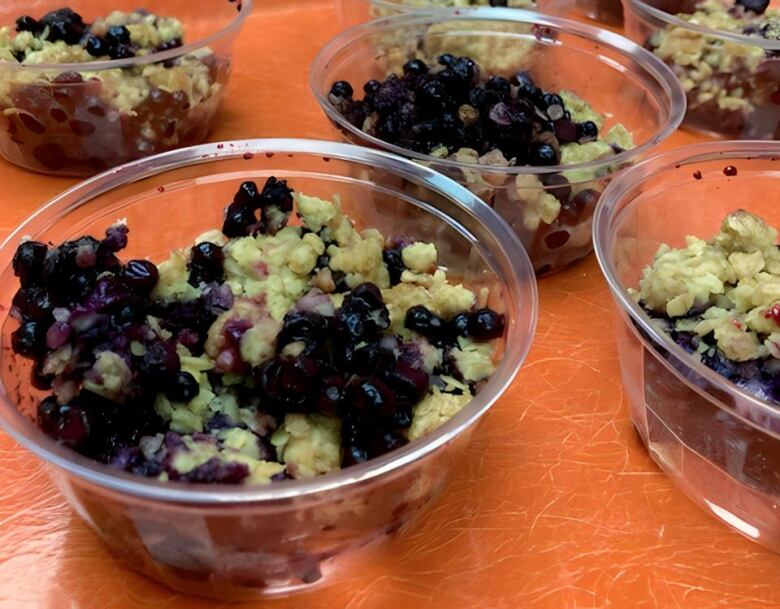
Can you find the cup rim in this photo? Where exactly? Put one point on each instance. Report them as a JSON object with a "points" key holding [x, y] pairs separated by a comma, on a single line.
{"points": [[643, 7], [656, 69], [520, 332], [244, 10], [606, 212]]}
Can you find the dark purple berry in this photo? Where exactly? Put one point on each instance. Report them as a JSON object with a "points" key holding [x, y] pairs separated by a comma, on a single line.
{"points": [[33, 303], [370, 398], [553, 105], [289, 383], [458, 326], [64, 24], [587, 132], [485, 324], [500, 85], [446, 59], [415, 67], [121, 51], [97, 47], [141, 276], [407, 382], [160, 362], [331, 395], [247, 194], [28, 24], [395, 264], [543, 155], [183, 388], [64, 423], [341, 89], [371, 87], [240, 221], [206, 263], [423, 321], [433, 96], [498, 2], [277, 193], [29, 339], [757, 6], [118, 34], [565, 130], [28, 262]]}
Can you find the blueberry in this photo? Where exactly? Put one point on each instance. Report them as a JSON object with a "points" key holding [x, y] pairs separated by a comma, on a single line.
{"points": [[371, 87], [500, 85], [370, 398], [240, 221], [757, 6], [485, 324], [423, 321], [433, 96], [141, 276], [395, 264], [121, 51], [29, 339], [28, 24], [160, 362], [407, 382], [341, 89], [458, 325], [289, 383], [323, 260], [109, 295], [331, 395], [64, 423], [118, 34], [498, 3], [206, 263], [97, 47], [446, 59], [28, 262], [277, 193], [247, 194], [565, 130], [415, 67], [182, 388], [587, 132], [116, 238], [543, 154], [33, 303], [303, 326], [64, 24], [553, 105]]}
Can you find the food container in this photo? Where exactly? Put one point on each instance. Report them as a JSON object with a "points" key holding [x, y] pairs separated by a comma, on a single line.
{"points": [[731, 80], [241, 542], [617, 77], [719, 444], [82, 118]]}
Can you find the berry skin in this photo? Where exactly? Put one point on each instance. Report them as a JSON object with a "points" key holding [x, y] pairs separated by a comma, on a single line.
{"points": [[97, 47], [29, 340], [587, 132], [419, 319], [395, 265], [28, 24], [118, 34], [28, 262], [341, 89], [67, 424], [206, 263], [183, 388], [248, 195], [239, 221], [141, 276], [415, 67], [543, 154], [458, 325], [370, 398], [757, 6], [485, 325]]}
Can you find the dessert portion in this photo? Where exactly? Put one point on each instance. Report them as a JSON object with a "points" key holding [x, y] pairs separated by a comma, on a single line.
{"points": [[267, 350], [80, 121], [731, 87], [452, 110], [720, 301]]}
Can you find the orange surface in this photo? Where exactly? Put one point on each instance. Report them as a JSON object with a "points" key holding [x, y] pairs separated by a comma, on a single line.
{"points": [[557, 506]]}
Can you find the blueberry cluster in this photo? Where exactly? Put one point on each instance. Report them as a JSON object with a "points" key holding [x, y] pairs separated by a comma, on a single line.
{"points": [[79, 301], [452, 106], [67, 25]]}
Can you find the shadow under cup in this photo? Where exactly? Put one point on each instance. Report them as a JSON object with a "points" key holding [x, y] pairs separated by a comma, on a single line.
{"points": [[617, 78], [717, 442], [231, 542]]}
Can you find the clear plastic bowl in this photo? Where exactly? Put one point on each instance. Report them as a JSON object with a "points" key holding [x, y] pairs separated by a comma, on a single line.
{"points": [[719, 444], [61, 119], [242, 542], [731, 80], [609, 12], [616, 76]]}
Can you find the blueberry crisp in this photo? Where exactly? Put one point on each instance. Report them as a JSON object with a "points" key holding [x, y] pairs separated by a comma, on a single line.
{"points": [[720, 301], [83, 121], [731, 87], [268, 350], [451, 109]]}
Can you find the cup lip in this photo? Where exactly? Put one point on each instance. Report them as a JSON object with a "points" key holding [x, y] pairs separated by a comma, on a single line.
{"points": [[656, 69], [244, 10], [520, 332], [640, 6], [752, 409]]}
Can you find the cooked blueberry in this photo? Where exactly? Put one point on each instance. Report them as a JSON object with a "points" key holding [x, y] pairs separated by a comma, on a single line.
{"points": [[370, 398], [341, 89], [116, 238], [587, 132], [423, 321], [485, 324], [109, 295], [33, 303], [395, 264], [277, 193], [446, 59], [247, 194], [543, 154], [331, 395], [371, 87], [289, 383], [433, 96], [303, 326], [160, 362], [64, 24], [28, 262], [757, 6], [553, 105], [415, 67], [498, 2], [29, 339], [566, 130], [409, 383], [206, 263], [121, 51], [118, 34], [182, 388], [141, 276], [97, 47], [64, 423], [458, 325], [28, 24], [240, 221], [323, 260], [500, 85]]}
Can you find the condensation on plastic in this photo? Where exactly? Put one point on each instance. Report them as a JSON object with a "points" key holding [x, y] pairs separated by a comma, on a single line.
{"points": [[720, 444], [243, 542]]}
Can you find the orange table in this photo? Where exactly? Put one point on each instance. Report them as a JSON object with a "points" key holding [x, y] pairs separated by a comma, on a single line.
{"points": [[558, 505]]}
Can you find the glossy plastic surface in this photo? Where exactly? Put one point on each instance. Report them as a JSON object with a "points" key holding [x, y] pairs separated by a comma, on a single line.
{"points": [[237, 542], [731, 80], [720, 444], [353, 12], [53, 122], [559, 54]]}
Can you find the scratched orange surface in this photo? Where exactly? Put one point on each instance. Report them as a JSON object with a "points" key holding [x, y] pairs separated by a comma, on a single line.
{"points": [[557, 505]]}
